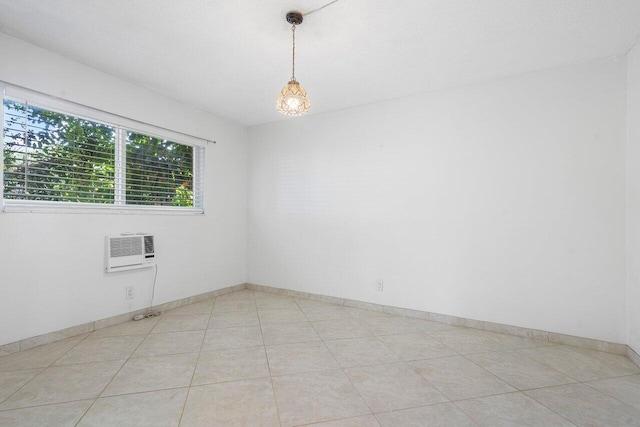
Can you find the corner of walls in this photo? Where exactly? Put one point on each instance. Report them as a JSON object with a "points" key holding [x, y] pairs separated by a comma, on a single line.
{"points": [[52, 270], [502, 201], [633, 199]]}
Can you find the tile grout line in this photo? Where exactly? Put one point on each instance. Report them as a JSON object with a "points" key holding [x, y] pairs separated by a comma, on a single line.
{"points": [[51, 365], [586, 383], [399, 358], [502, 394], [506, 349], [266, 355], [128, 316], [425, 315], [495, 375], [253, 292], [21, 387], [41, 372], [524, 391], [337, 363], [45, 404], [540, 403], [195, 367], [117, 372], [401, 361], [344, 372], [466, 414], [345, 302]]}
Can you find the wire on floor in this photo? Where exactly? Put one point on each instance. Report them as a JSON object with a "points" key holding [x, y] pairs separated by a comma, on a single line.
{"points": [[150, 313]]}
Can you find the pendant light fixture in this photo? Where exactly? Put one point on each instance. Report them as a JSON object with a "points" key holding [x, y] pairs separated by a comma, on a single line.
{"points": [[293, 99]]}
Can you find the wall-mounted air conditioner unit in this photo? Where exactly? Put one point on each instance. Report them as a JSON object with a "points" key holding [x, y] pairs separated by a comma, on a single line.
{"points": [[127, 252]]}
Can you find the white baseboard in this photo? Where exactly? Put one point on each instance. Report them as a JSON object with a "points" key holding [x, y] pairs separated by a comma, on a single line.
{"points": [[589, 343]]}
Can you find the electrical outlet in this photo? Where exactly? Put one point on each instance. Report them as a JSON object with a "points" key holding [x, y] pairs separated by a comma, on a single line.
{"points": [[130, 292], [380, 285]]}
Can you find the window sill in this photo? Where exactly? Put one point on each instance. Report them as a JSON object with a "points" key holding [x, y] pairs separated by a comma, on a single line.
{"points": [[18, 206]]}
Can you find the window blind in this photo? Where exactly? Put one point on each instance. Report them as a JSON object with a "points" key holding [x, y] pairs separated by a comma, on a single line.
{"points": [[50, 156]]}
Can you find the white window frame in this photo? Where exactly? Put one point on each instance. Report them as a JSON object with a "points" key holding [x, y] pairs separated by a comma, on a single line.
{"points": [[122, 124]]}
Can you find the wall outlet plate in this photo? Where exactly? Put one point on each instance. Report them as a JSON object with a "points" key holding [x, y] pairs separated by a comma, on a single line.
{"points": [[380, 285], [130, 292]]}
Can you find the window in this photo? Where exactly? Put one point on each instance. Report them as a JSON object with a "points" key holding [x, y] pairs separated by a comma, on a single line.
{"points": [[58, 159]]}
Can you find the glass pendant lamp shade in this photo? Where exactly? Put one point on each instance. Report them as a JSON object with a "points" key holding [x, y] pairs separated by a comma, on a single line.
{"points": [[293, 100]]}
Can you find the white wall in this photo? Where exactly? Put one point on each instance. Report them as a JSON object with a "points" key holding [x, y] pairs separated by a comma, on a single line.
{"points": [[52, 265], [502, 201], [633, 198]]}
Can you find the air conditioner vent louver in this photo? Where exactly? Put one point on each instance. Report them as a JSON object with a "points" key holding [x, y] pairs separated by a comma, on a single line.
{"points": [[129, 252], [126, 246]]}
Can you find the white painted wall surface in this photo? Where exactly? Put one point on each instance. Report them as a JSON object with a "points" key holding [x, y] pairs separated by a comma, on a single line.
{"points": [[52, 265], [633, 198], [502, 201]]}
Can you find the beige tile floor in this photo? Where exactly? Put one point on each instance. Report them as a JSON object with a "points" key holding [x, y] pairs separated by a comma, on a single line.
{"points": [[258, 359]]}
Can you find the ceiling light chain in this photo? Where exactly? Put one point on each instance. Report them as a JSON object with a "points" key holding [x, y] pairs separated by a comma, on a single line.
{"points": [[293, 61]]}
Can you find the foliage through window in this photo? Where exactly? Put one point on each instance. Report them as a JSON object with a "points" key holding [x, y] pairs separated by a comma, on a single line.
{"points": [[55, 157]]}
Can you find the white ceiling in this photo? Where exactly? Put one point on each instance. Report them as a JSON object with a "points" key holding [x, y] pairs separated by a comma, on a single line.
{"points": [[232, 57]]}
